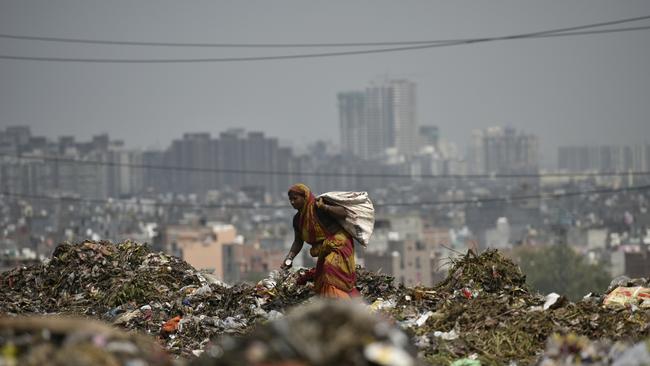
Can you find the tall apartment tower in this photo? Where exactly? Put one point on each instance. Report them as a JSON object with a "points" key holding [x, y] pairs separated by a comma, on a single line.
{"points": [[503, 150], [353, 129], [381, 117], [379, 121], [404, 121]]}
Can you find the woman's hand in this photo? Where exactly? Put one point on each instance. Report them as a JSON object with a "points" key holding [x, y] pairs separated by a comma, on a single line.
{"points": [[333, 210], [320, 203], [308, 276], [286, 263]]}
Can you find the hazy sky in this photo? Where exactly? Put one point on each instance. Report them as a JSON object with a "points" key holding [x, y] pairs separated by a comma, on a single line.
{"points": [[570, 90]]}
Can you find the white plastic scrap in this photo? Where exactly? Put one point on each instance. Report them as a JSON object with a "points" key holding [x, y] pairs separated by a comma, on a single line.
{"points": [[551, 299], [126, 317], [387, 355], [381, 304], [635, 355], [448, 336], [274, 315], [122, 347], [203, 290], [423, 318]]}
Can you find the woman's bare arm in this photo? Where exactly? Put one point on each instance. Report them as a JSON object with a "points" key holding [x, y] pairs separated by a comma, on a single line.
{"points": [[293, 252], [296, 247], [335, 211]]}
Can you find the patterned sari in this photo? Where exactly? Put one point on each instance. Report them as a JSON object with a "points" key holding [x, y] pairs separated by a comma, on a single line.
{"points": [[334, 275]]}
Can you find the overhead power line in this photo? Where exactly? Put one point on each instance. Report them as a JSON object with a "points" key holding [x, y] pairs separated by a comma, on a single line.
{"points": [[284, 45], [396, 204], [546, 34], [322, 174]]}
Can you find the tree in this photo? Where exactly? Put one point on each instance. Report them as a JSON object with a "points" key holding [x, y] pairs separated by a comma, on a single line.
{"points": [[558, 268]]}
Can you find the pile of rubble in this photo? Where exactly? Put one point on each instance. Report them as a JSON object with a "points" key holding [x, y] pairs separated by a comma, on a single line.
{"points": [[482, 313], [130, 286], [483, 310], [63, 341], [319, 333]]}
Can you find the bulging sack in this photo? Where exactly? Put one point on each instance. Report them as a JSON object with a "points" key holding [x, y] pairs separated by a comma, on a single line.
{"points": [[360, 220]]}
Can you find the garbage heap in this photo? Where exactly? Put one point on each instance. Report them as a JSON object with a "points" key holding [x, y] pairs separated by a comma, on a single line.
{"points": [[130, 286], [320, 333], [481, 313], [64, 341], [484, 312]]}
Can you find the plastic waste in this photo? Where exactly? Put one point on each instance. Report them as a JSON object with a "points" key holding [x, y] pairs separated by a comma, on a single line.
{"points": [[628, 296]]}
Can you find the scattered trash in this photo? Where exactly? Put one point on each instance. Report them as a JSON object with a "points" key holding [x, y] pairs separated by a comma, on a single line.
{"points": [[628, 296], [466, 362], [128, 285], [61, 341], [448, 336], [552, 301], [481, 313], [171, 325], [575, 350], [323, 332], [381, 304], [423, 318]]}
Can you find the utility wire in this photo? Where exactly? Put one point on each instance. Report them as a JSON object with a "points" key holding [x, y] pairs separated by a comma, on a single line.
{"points": [[322, 174], [551, 33], [396, 204], [279, 45]]}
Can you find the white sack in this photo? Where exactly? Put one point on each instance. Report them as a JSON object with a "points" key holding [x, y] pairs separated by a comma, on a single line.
{"points": [[360, 219]]}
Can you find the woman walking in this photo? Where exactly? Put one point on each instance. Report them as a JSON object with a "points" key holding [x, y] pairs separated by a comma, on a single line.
{"points": [[316, 223]]}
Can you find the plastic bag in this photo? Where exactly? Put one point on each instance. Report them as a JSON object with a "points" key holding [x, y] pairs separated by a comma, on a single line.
{"points": [[360, 219], [623, 296]]}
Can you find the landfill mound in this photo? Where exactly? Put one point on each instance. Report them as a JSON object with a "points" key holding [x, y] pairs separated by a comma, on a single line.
{"points": [[572, 349], [130, 286], [93, 277], [321, 333], [489, 272], [481, 312], [63, 341]]}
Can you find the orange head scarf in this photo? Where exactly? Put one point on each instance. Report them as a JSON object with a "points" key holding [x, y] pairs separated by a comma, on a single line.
{"points": [[307, 214]]}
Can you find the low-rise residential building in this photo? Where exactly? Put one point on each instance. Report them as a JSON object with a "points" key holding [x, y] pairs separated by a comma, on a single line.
{"points": [[201, 245]]}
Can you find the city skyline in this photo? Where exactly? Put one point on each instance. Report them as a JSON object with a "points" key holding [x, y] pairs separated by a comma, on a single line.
{"points": [[567, 90], [381, 117]]}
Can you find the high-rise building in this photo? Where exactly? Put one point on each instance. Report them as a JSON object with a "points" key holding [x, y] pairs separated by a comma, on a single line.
{"points": [[353, 129], [380, 133], [503, 151], [429, 135], [381, 117], [404, 121], [215, 163], [192, 151], [476, 157], [604, 158]]}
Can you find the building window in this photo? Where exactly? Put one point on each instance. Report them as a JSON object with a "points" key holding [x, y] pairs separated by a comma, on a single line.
{"points": [[417, 263]]}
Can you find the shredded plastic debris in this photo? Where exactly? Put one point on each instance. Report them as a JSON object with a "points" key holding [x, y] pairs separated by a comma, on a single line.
{"points": [[74, 341], [481, 313], [319, 333]]}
